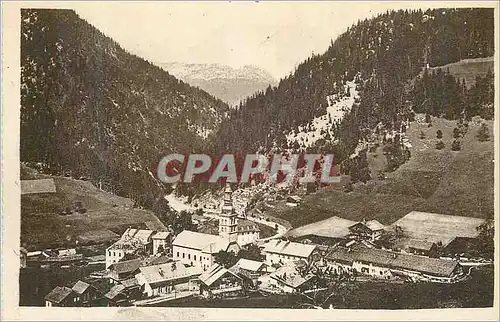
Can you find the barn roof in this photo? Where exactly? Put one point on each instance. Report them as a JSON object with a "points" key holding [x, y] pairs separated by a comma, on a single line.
{"points": [[333, 227], [437, 227], [434, 266]]}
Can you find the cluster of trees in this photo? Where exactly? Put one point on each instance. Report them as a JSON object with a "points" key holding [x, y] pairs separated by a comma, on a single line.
{"points": [[228, 259], [438, 93]]}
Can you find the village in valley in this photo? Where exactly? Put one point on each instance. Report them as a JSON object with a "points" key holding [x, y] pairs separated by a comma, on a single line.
{"points": [[402, 102], [156, 267]]}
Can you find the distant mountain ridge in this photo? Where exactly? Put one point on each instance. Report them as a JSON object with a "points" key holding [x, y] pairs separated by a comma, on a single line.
{"points": [[229, 84]]}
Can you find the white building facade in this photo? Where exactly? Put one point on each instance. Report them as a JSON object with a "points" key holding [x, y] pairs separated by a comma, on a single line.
{"points": [[284, 252]]}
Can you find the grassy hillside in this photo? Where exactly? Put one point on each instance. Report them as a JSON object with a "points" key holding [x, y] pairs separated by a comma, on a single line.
{"points": [[106, 215], [469, 69], [443, 181]]}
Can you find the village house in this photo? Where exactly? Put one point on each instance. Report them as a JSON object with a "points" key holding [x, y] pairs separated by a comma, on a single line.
{"points": [[220, 282], [162, 243], [290, 278], [197, 249], [371, 229], [121, 294], [168, 278], [84, 294], [250, 269], [386, 264], [60, 296], [117, 296], [281, 252], [123, 270], [132, 241]]}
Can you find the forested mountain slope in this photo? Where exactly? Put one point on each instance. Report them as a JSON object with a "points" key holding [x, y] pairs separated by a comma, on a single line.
{"points": [[90, 108], [382, 56]]}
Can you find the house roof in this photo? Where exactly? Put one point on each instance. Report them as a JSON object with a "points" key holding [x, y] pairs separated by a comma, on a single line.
{"points": [[245, 225], [434, 266], [58, 294], [102, 285], [37, 186], [133, 238], [131, 282], [155, 260], [437, 227], [126, 266], [289, 248], [80, 287], [333, 227], [141, 235], [97, 258], [249, 265], [195, 240], [289, 275], [374, 225], [67, 252], [214, 273], [161, 235], [169, 271], [115, 290]]}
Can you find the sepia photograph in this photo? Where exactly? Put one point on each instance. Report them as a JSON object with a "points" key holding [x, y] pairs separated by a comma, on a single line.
{"points": [[304, 156]]}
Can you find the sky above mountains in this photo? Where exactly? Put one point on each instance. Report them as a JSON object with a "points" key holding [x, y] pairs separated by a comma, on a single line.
{"points": [[275, 36]]}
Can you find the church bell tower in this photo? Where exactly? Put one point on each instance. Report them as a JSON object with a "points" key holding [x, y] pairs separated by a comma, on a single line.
{"points": [[228, 220]]}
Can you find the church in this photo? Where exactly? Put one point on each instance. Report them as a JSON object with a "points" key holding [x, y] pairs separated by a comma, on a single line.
{"points": [[232, 227]]}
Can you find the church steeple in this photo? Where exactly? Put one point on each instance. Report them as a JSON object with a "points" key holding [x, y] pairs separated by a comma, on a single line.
{"points": [[228, 221]]}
